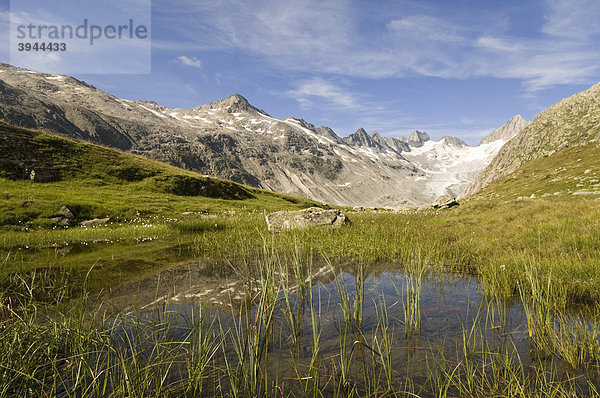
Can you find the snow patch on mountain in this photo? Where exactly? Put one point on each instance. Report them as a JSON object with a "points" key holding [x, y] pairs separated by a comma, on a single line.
{"points": [[450, 169]]}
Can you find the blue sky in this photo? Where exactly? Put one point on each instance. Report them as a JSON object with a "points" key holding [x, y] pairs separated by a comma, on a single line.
{"points": [[446, 67]]}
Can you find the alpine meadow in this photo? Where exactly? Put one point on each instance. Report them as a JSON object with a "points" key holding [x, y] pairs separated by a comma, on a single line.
{"points": [[190, 241]]}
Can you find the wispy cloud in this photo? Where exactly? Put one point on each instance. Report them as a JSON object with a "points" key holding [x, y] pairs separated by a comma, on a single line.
{"points": [[426, 28], [306, 91], [193, 61], [4, 32], [573, 20], [330, 37]]}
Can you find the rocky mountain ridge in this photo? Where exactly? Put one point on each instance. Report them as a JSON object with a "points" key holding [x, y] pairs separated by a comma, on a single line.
{"points": [[234, 140], [514, 126]]}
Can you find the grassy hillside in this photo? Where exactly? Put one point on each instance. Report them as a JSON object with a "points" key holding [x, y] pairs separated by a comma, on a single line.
{"points": [[573, 171], [571, 122], [40, 173]]}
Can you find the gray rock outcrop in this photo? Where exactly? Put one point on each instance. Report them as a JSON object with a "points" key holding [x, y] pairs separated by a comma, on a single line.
{"points": [[418, 138], [511, 128], [64, 211], [444, 202], [95, 221], [311, 217]]}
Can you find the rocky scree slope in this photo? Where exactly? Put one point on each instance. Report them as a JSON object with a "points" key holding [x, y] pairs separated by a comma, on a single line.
{"points": [[573, 172], [513, 127]]}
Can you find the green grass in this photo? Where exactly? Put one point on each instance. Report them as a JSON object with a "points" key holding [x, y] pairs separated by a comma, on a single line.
{"points": [[571, 170], [97, 182], [494, 241], [544, 252]]}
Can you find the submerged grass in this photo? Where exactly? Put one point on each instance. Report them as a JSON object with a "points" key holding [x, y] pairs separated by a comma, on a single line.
{"points": [[207, 353]]}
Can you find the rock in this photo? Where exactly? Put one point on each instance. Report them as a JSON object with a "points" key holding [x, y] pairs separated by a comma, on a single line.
{"points": [[63, 217], [311, 217], [65, 212], [64, 221], [444, 202], [93, 222], [510, 129], [586, 193], [573, 121], [418, 138]]}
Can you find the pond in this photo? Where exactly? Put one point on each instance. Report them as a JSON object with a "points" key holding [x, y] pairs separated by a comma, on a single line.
{"points": [[328, 332]]}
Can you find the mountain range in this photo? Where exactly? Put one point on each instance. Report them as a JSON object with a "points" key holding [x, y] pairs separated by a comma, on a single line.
{"points": [[235, 140]]}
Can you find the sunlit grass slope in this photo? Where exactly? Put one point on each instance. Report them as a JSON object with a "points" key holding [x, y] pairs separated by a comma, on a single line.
{"points": [[97, 182]]}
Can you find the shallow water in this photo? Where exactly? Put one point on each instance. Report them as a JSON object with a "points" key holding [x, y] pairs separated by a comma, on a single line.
{"points": [[454, 316]]}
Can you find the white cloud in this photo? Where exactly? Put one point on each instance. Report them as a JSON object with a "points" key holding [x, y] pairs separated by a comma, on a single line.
{"points": [[426, 28], [193, 61], [573, 19], [317, 88], [190, 89], [498, 45], [331, 37], [564, 52]]}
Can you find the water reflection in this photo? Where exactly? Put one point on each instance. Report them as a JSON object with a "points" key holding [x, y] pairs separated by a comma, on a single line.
{"points": [[342, 334]]}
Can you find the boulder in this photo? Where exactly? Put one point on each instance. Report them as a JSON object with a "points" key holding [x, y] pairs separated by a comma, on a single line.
{"points": [[444, 202], [63, 217], [93, 222], [64, 221], [311, 217], [65, 212]]}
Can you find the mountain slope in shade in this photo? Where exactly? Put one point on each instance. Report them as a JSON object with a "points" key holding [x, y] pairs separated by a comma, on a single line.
{"points": [[234, 140], [572, 121]]}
